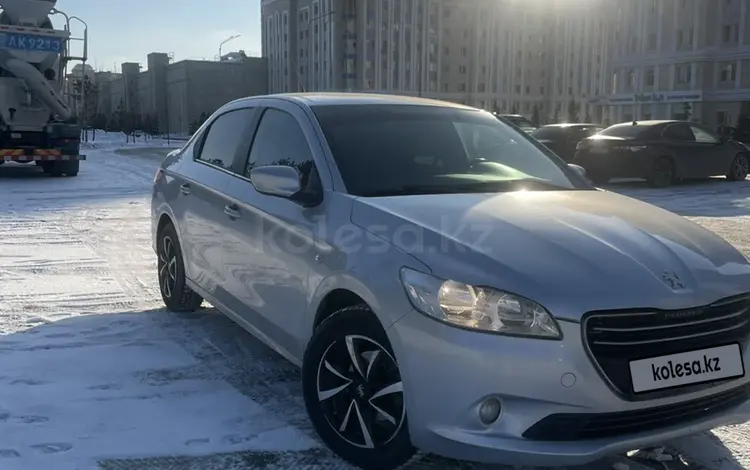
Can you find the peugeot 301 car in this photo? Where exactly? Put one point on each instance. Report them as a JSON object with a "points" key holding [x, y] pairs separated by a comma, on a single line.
{"points": [[446, 283]]}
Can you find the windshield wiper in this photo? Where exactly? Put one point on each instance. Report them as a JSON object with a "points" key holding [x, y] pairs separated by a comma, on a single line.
{"points": [[473, 187]]}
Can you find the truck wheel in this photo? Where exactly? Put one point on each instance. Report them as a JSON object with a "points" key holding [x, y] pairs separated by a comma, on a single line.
{"points": [[47, 167], [69, 168]]}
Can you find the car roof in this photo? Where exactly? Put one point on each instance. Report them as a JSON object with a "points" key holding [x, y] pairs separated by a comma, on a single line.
{"points": [[576, 124], [333, 99], [652, 122]]}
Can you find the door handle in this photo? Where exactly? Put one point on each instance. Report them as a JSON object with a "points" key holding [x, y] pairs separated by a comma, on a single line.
{"points": [[232, 211], [185, 189]]}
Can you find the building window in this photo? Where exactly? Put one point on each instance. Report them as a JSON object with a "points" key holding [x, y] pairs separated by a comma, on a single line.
{"points": [[731, 34], [631, 79], [728, 72], [684, 73], [650, 77]]}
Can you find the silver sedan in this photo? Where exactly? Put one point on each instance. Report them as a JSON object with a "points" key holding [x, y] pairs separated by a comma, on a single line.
{"points": [[448, 284]]}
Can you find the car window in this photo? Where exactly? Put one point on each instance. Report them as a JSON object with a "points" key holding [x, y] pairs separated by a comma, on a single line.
{"points": [[625, 131], [224, 136], [386, 149], [280, 141], [520, 121], [549, 133], [679, 133], [589, 131], [701, 135]]}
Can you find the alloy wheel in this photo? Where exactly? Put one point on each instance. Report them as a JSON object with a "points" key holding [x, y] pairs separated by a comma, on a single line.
{"points": [[741, 167], [167, 266], [360, 392]]}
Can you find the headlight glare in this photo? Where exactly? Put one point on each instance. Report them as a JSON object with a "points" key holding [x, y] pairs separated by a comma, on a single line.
{"points": [[479, 308]]}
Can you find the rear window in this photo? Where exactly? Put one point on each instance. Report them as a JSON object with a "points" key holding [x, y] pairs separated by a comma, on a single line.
{"points": [[519, 121], [549, 133], [626, 131]]}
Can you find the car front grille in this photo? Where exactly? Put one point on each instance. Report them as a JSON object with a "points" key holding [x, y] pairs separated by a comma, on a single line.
{"points": [[579, 426], [614, 338]]}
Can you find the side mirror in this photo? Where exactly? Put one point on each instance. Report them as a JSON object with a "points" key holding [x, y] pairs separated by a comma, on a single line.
{"points": [[578, 169], [276, 180], [282, 181]]}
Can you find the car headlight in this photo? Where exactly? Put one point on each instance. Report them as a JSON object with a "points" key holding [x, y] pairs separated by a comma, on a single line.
{"points": [[479, 308]]}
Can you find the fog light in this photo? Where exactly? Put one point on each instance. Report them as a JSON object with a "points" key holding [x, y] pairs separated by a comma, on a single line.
{"points": [[489, 411]]}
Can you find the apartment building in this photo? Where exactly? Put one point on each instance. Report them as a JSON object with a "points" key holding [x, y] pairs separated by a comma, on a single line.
{"points": [[545, 57], [680, 59]]}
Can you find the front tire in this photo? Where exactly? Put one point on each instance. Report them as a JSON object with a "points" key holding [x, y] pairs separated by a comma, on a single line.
{"points": [[353, 392], [739, 169], [175, 293]]}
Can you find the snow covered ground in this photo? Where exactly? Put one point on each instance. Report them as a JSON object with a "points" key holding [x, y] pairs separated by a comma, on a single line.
{"points": [[94, 374]]}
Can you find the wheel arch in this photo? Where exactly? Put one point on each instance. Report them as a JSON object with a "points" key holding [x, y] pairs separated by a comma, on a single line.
{"points": [[339, 291], [163, 217]]}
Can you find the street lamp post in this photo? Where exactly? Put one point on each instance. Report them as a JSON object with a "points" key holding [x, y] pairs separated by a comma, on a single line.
{"points": [[230, 38]]}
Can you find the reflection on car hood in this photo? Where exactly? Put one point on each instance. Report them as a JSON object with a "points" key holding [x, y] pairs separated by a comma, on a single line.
{"points": [[595, 249]]}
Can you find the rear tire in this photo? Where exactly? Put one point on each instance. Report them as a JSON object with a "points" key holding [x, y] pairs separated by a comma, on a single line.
{"points": [[175, 293], [353, 394], [739, 169], [662, 173], [69, 168]]}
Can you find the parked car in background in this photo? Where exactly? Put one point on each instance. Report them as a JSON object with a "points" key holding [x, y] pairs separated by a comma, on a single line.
{"points": [[520, 121], [563, 138], [487, 303], [661, 152]]}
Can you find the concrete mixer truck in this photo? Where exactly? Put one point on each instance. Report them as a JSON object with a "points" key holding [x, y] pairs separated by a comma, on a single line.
{"points": [[36, 121]]}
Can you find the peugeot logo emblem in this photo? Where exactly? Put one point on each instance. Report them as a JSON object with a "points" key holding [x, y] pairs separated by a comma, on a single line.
{"points": [[672, 280]]}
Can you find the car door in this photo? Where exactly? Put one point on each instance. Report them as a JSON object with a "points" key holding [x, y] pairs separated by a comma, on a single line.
{"points": [[715, 155], [268, 277], [202, 201], [679, 142]]}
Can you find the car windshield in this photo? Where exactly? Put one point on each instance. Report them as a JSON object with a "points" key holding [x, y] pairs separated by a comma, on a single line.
{"points": [[385, 150], [626, 131]]}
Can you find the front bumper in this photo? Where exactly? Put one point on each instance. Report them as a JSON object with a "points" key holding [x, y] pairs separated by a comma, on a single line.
{"points": [[448, 372]]}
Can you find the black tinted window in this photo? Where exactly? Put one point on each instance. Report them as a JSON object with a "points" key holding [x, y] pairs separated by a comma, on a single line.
{"points": [[550, 133], [280, 141], [626, 131], [589, 131], [387, 149], [519, 121], [224, 137], [679, 132]]}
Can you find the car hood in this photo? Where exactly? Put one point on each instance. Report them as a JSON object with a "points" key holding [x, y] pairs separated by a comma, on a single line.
{"points": [[575, 251]]}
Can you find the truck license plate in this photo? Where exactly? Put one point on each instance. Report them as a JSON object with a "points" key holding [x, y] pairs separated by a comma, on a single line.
{"points": [[30, 43], [693, 367]]}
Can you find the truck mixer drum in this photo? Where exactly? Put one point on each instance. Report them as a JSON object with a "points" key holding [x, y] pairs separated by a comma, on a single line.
{"points": [[36, 121]]}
